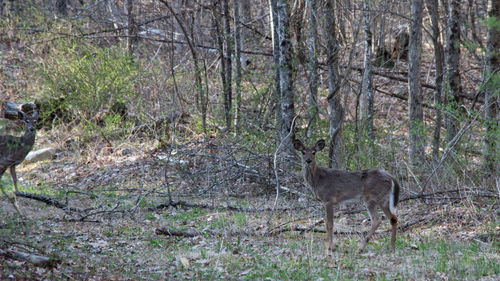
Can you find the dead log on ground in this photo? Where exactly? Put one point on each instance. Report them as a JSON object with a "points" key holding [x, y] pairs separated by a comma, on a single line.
{"points": [[37, 260]]}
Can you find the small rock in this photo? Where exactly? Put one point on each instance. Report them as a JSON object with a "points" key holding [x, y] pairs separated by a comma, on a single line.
{"points": [[39, 155]]}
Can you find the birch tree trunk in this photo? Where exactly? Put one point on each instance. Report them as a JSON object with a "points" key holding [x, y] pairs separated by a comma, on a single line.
{"points": [[313, 67], [433, 7], [335, 157], [285, 68], [492, 94], [273, 7], [366, 102], [416, 124], [452, 84]]}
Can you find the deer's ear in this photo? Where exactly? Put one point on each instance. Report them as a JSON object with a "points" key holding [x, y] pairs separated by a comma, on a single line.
{"points": [[297, 144], [320, 145]]}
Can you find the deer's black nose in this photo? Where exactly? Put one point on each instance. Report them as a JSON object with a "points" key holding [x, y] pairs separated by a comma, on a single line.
{"points": [[308, 161]]}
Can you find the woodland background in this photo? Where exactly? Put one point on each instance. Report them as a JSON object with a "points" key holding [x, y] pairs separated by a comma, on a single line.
{"points": [[173, 120]]}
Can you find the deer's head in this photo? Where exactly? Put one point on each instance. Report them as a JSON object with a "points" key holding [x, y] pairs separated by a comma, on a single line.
{"points": [[29, 120], [309, 153]]}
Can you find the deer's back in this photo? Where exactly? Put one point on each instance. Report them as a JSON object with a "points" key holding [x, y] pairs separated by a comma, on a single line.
{"points": [[341, 185]]}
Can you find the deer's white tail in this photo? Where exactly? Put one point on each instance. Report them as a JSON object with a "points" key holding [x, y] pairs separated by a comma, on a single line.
{"points": [[394, 198]]}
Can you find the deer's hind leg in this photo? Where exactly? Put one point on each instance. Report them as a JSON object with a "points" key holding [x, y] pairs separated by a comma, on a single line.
{"points": [[394, 224], [371, 206], [329, 228]]}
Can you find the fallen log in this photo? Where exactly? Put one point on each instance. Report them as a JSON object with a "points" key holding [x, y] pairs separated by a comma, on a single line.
{"points": [[35, 259]]}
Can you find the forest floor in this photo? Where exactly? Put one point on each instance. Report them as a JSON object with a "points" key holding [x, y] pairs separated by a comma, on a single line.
{"points": [[112, 232]]}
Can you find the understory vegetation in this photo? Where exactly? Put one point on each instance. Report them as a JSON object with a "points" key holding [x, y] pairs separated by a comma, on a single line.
{"points": [[148, 183]]}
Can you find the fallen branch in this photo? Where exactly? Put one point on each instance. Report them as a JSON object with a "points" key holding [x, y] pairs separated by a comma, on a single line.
{"points": [[35, 259], [215, 207], [47, 200]]}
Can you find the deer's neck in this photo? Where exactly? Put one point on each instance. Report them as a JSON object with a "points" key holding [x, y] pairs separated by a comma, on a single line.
{"points": [[29, 138], [310, 173]]}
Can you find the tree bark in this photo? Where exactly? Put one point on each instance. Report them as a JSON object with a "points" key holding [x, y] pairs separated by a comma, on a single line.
{"points": [[313, 67], [273, 7], [245, 16], [366, 102], [335, 157], [228, 92], [492, 94], [286, 83], [416, 124], [433, 7], [131, 28], [452, 85], [237, 51]]}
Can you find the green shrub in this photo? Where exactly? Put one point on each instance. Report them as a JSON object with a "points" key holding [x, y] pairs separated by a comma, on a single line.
{"points": [[82, 79]]}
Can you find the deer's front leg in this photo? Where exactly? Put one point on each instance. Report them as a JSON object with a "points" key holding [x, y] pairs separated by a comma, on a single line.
{"points": [[329, 228]]}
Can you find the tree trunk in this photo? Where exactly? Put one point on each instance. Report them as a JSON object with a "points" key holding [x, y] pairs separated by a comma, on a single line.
{"points": [[131, 28], [492, 95], [285, 68], [452, 84], [335, 159], [273, 7], [228, 92], [313, 68], [433, 7], [366, 102], [416, 124], [245, 17], [237, 51]]}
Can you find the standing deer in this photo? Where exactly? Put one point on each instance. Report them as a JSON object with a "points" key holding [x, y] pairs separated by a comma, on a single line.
{"points": [[331, 186], [13, 149]]}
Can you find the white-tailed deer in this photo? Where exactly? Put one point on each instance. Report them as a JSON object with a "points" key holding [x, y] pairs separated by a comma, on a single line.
{"points": [[13, 149], [331, 186]]}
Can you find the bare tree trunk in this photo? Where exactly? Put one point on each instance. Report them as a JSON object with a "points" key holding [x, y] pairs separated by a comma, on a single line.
{"points": [[237, 51], [276, 51], [366, 102], [228, 92], [245, 17], [285, 68], [131, 28], [313, 67], [433, 7], [335, 157], [452, 84], [492, 96], [416, 124]]}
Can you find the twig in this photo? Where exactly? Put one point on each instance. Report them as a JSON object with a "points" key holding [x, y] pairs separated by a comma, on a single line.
{"points": [[276, 169]]}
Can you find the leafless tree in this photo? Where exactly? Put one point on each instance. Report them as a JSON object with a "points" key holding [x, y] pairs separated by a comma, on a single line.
{"points": [[416, 115], [492, 95], [433, 8], [286, 83], [335, 157], [366, 101], [313, 66], [452, 84]]}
